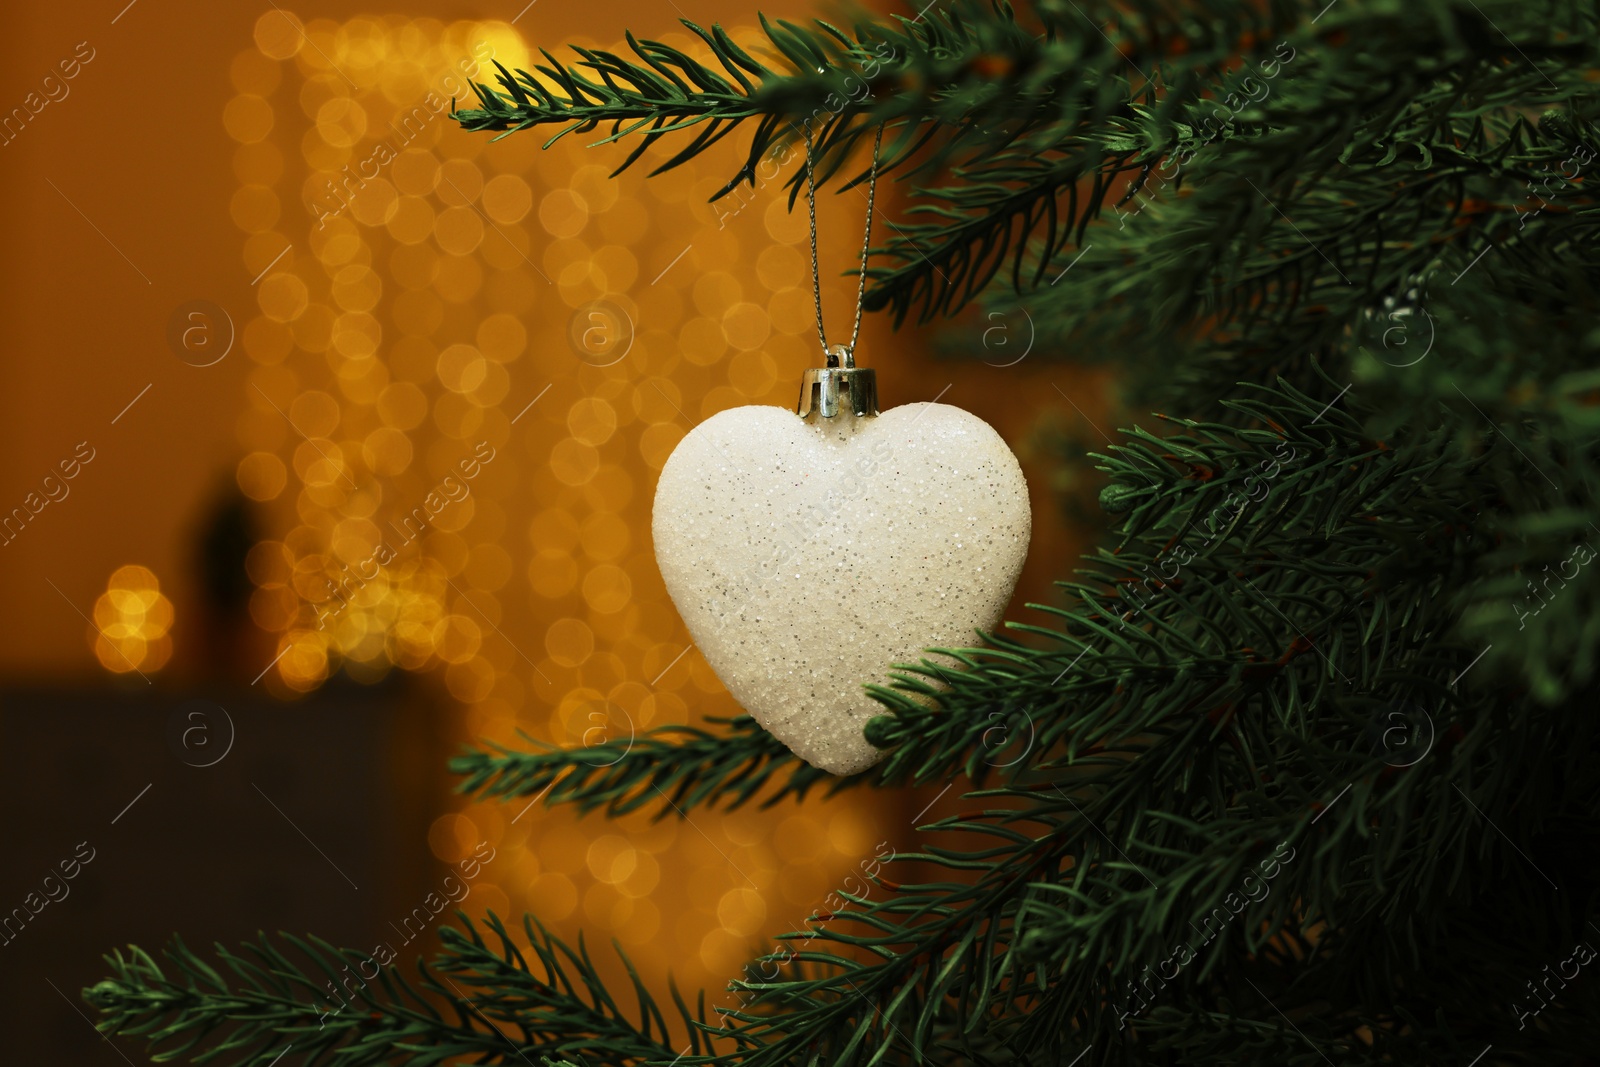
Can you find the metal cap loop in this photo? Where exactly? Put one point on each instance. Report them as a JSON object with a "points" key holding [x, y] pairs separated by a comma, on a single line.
{"points": [[841, 383]]}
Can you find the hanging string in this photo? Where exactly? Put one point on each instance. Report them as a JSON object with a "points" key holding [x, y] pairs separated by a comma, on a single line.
{"points": [[866, 240]]}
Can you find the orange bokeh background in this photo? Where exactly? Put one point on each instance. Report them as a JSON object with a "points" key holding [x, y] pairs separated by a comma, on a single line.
{"points": [[471, 298]]}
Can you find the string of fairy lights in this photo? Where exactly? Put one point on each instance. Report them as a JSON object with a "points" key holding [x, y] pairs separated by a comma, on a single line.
{"points": [[466, 365]]}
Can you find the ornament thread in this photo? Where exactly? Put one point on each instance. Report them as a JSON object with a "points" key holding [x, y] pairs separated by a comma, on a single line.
{"points": [[866, 240]]}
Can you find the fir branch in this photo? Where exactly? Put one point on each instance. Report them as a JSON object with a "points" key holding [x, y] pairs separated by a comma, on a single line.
{"points": [[932, 80], [1064, 120], [684, 766], [317, 1004]]}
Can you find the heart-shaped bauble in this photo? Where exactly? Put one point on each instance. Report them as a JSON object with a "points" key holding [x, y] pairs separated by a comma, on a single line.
{"points": [[807, 556]]}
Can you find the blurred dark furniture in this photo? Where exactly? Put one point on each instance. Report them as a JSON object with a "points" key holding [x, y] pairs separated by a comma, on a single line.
{"points": [[315, 820]]}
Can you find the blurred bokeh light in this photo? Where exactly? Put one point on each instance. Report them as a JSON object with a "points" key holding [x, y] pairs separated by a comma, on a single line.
{"points": [[131, 622], [470, 360]]}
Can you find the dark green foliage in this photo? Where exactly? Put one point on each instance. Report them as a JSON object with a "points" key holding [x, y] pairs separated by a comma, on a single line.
{"points": [[303, 1001], [1304, 773], [684, 765]]}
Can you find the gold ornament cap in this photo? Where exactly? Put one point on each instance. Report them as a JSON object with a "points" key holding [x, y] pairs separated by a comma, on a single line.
{"points": [[824, 389]]}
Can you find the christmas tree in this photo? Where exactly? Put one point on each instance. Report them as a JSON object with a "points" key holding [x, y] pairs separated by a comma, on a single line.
{"points": [[1293, 778]]}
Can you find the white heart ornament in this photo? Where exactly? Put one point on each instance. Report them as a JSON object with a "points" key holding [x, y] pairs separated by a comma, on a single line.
{"points": [[807, 556]]}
